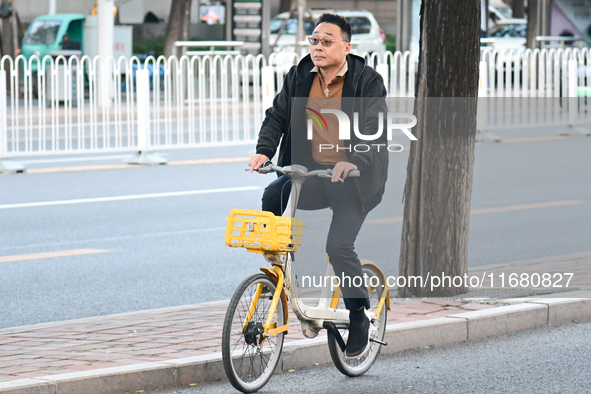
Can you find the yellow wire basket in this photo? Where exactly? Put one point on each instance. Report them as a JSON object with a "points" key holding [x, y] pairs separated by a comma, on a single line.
{"points": [[263, 232]]}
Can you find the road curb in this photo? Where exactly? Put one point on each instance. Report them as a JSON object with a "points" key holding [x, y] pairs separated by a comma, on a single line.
{"points": [[528, 313]]}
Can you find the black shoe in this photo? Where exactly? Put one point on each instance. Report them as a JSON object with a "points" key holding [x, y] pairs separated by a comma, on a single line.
{"points": [[358, 334]]}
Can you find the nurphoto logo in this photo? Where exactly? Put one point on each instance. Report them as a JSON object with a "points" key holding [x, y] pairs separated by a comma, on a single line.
{"points": [[345, 129]]}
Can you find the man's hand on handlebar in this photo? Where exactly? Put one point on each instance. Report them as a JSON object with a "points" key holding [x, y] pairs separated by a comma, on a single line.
{"points": [[256, 161], [341, 170]]}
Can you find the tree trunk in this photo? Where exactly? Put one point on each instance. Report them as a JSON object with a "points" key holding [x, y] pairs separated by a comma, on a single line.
{"points": [[177, 28], [518, 8], [532, 23], [439, 173], [284, 5]]}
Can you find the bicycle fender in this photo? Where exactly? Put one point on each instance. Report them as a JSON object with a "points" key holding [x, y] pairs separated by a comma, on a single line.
{"points": [[273, 276], [383, 277]]}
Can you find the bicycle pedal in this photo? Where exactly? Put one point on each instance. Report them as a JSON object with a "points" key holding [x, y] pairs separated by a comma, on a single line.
{"points": [[330, 326], [378, 341]]}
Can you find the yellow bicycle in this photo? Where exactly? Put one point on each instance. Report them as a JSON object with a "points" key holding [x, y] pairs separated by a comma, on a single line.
{"points": [[257, 318]]}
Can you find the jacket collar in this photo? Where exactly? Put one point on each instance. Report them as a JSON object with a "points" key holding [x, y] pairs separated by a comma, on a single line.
{"points": [[355, 65]]}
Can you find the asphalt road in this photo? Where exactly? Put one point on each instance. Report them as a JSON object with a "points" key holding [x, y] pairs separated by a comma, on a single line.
{"points": [[546, 360], [168, 250]]}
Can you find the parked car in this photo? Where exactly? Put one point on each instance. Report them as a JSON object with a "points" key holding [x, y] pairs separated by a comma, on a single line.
{"points": [[508, 37], [367, 36], [510, 30], [499, 12]]}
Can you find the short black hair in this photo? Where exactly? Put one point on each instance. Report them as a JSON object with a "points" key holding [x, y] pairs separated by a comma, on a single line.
{"points": [[339, 21]]}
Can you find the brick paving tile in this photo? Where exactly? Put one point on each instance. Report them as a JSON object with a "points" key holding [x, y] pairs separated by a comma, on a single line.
{"points": [[82, 357], [444, 313], [31, 334], [5, 340], [11, 359], [10, 353], [148, 345], [37, 374], [175, 355], [180, 346], [114, 332], [124, 341], [396, 315], [442, 302], [117, 349], [128, 361], [29, 356], [62, 363], [185, 333], [108, 357], [406, 319], [19, 369], [37, 350], [28, 342], [204, 337], [419, 310], [475, 307], [209, 343], [170, 341], [37, 361], [152, 352], [5, 378], [79, 368]]}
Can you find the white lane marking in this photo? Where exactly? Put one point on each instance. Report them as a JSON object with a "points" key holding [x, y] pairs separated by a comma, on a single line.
{"points": [[130, 197], [77, 159], [480, 211], [151, 235], [50, 255]]}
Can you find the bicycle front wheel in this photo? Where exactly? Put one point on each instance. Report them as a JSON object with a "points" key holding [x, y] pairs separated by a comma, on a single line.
{"points": [[249, 356], [358, 366]]}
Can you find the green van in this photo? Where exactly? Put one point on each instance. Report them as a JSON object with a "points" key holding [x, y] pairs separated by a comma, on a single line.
{"points": [[50, 33]]}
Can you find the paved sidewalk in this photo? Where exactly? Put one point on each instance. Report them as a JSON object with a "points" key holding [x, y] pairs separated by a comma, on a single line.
{"points": [[166, 335], [150, 336]]}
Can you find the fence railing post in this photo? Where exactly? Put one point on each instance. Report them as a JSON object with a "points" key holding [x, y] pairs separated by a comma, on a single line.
{"points": [[482, 112], [7, 166], [573, 127], [268, 86], [143, 122], [382, 69]]}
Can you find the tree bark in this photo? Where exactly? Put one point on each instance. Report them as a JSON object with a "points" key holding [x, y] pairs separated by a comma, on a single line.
{"points": [[439, 173], [177, 28], [284, 5], [532, 23], [518, 8]]}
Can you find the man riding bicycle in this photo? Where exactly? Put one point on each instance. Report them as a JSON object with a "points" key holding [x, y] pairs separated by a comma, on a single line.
{"points": [[331, 78]]}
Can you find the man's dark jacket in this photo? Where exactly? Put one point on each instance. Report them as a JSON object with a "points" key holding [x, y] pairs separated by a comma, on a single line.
{"points": [[285, 123]]}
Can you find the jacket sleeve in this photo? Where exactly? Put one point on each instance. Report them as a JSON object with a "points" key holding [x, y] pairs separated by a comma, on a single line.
{"points": [[372, 103], [276, 120]]}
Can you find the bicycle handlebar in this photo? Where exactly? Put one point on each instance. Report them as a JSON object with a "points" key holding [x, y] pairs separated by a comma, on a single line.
{"points": [[302, 172]]}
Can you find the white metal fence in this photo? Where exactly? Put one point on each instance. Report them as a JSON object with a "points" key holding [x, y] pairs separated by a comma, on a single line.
{"points": [[535, 88], [61, 106]]}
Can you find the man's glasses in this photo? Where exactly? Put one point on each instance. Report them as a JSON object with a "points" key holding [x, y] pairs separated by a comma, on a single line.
{"points": [[325, 43]]}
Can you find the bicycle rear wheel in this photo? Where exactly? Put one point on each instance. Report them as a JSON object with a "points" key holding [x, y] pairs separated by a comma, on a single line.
{"points": [[358, 366], [249, 357]]}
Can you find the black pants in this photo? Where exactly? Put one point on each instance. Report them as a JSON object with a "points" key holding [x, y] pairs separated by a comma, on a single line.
{"points": [[347, 218]]}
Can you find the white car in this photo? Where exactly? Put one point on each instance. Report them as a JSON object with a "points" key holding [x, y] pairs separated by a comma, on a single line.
{"points": [[367, 36], [498, 13], [508, 38]]}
